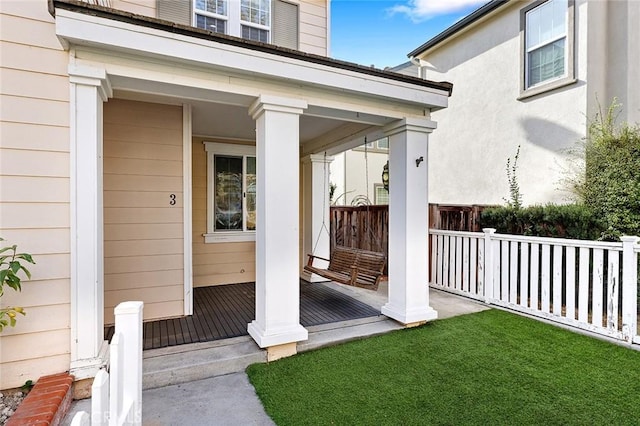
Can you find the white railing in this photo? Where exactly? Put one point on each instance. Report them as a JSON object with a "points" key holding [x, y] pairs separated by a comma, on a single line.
{"points": [[590, 285], [116, 397]]}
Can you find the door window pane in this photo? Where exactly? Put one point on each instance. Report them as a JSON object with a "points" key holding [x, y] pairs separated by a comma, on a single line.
{"points": [[228, 193], [251, 193]]}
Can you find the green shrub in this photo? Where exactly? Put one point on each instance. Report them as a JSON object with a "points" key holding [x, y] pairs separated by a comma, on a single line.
{"points": [[575, 221], [611, 186]]}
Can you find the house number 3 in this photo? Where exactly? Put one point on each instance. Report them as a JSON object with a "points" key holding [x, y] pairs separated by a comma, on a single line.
{"points": [[172, 199]]}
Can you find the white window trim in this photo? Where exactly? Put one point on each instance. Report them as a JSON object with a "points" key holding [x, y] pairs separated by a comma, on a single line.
{"points": [[213, 149], [376, 187], [552, 84], [373, 147], [233, 19]]}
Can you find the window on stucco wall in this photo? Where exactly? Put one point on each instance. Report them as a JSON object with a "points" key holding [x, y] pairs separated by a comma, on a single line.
{"points": [[547, 40]]}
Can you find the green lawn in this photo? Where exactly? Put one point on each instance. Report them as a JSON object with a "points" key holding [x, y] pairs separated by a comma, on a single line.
{"points": [[487, 368]]}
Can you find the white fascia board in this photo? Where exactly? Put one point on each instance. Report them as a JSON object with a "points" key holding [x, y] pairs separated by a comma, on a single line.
{"points": [[81, 29]]}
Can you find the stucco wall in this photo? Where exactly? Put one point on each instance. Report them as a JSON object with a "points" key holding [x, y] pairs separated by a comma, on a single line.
{"points": [[621, 57], [485, 122], [34, 188], [348, 172], [215, 263], [143, 232]]}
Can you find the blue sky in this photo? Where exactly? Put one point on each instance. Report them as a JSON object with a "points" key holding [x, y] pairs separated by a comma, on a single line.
{"points": [[382, 32]]}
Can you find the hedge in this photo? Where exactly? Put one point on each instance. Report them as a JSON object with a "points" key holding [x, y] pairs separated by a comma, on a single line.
{"points": [[574, 221]]}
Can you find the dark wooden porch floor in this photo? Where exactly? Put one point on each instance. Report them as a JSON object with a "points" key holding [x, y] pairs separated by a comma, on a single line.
{"points": [[220, 312]]}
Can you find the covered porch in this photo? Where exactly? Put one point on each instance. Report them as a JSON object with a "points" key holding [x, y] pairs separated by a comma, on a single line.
{"points": [[158, 110]]}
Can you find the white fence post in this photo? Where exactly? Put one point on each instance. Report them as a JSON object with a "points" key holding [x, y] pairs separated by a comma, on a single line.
{"points": [[488, 264], [100, 399], [116, 398], [128, 317], [629, 287]]}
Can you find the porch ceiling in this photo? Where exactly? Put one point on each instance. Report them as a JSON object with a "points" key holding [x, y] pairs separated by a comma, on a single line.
{"points": [[227, 117]]}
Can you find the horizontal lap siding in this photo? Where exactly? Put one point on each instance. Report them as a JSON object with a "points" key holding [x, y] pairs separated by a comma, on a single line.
{"points": [[139, 7], [219, 263], [143, 232], [34, 199], [313, 26]]}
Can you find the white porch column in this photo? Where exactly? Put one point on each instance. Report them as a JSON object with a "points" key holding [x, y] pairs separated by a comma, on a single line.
{"points": [[316, 207], [278, 223], [89, 89], [408, 222]]}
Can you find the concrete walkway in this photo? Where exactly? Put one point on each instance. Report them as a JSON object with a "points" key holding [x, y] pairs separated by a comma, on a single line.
{"points": [[231, 400], [223, 400]]}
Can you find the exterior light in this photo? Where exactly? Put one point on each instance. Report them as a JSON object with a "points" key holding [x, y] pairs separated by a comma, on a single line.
{"points": [[385, 176]]}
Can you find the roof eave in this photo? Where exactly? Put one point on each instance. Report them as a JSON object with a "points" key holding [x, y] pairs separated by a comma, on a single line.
{"points": [[100, 11]]}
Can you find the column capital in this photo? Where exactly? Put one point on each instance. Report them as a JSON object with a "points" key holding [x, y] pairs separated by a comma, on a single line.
{"points": [[89, 76], [317, 158], [410, 124], [277, 104]]}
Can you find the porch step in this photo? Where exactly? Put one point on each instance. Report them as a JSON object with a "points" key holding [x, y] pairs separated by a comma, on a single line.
{"points": [[340, 332], [185, 363]]}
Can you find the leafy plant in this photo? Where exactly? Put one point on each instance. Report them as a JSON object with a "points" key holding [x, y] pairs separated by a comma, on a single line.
{"points": [[515, 197], [575, 221], [610, 184], [11, 264], [27, 386]]}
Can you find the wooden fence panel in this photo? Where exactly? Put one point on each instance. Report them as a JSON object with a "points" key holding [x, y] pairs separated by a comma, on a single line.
{"points": [[455, 217], [367, 227]]}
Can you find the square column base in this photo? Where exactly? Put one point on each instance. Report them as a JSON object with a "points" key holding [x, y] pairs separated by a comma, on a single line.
{"points": [[408, 317], [278, 336], [88, 368], [281, 351]]}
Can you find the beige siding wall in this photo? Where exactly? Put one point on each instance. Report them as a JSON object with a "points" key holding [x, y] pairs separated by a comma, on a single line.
{"points": [[215, 263], [143, 232], [313, 27], [34, 188], [139, 7]]}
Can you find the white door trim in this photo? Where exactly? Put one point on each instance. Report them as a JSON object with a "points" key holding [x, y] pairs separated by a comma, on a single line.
{"points": [[187, 209]]}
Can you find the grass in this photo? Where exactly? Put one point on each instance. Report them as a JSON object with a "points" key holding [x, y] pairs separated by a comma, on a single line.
{"points": [[488, 368]]}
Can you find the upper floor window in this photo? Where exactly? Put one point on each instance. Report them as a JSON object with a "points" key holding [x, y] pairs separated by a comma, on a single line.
{"points": [[548, 43], [249, 19], [266, 21]]}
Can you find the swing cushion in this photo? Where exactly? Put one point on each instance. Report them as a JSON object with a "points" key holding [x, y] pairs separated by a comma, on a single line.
{"points": [[351, 266]]}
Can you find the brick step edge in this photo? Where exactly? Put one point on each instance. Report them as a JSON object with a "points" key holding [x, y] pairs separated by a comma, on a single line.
{"points": [[47, 403]]}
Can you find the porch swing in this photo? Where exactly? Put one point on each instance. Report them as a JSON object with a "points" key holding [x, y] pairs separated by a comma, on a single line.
{"points": [[348, 265]]}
